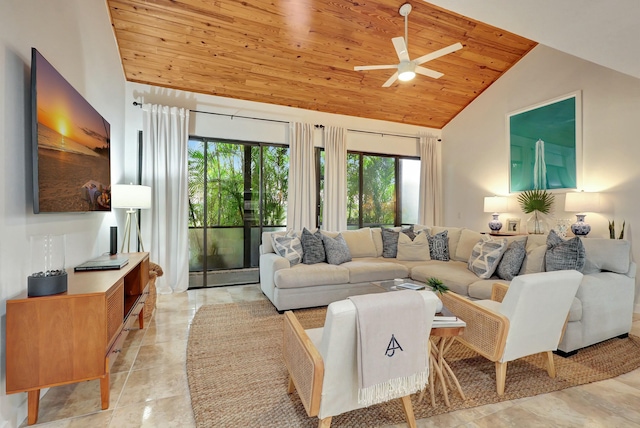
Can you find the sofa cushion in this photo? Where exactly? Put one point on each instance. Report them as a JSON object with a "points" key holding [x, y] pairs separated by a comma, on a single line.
{"points": [[575, 312], [454, 274], [468, 239], [288, 246], [453, 234], [360, 242], [418, 249], [439, 246], [312, 247], [534, 261], [302, 275], [511, 261], [611, 255], [376, 235], [368, 270], [336, 249], [486, 255], [563, 255], [482, 289]]}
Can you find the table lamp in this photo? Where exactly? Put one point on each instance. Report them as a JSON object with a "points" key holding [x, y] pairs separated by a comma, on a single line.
{"points": [[581, 202], [495, 205], [132, 197]]}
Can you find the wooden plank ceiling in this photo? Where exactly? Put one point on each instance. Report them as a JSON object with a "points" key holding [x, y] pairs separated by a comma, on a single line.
{"points": [[301, 53]]}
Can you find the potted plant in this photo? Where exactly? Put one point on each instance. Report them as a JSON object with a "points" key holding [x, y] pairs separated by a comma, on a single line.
{"points": [[537, 202], [437, 286]]}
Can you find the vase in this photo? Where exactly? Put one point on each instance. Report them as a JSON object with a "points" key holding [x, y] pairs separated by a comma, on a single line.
{"points": [[537, 224]]}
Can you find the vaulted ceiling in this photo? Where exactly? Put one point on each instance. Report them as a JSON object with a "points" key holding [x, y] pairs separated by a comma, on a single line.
{"points": [[301, 53]]}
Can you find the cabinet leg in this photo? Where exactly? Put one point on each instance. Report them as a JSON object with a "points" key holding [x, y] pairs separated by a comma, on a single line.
{"points": [[141, 318], [104, 391], [33, 403]]}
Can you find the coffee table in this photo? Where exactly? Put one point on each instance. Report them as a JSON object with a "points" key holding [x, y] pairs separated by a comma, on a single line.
{"points": [[392, 284]]}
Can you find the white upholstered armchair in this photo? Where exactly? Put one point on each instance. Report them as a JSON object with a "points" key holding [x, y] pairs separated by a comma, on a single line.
{"points": [[322, 362], [525, 318]]}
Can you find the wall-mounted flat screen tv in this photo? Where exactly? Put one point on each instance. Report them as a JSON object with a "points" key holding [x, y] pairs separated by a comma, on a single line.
{"points": [[70, 143]]}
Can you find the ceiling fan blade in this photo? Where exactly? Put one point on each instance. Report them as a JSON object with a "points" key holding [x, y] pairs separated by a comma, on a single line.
{"points": [[391, 80], [438, 53], [427, 72], [373, 67], [401, 48]]}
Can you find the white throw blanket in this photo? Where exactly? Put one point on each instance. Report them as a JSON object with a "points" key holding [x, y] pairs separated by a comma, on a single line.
{"points": [[392, 342]]}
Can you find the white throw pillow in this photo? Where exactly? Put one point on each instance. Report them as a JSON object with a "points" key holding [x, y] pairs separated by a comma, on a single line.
{"points": [[360, 242], [416, 250], [486, 256]]}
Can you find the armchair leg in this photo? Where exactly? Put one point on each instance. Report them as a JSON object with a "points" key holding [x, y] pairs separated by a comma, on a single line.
{"points": [[408, 411], [291, 387], [501, 376], [325, 423], [551, 368]]}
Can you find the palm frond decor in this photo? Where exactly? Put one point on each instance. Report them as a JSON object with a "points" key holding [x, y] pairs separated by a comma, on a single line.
{"points": [[536, 200]]}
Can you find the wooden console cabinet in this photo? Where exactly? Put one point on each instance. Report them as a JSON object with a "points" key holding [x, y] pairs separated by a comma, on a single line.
{"points": [[74, 336]]}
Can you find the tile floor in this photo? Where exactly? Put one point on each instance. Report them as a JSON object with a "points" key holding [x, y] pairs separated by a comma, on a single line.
{"points": [[149, 384]]}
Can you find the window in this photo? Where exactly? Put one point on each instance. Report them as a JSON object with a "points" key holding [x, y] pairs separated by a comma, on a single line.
{"points": [[237, 190], [382, 190]]}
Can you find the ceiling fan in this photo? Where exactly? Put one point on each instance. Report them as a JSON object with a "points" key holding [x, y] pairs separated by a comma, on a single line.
{"points": [[407, 69]]}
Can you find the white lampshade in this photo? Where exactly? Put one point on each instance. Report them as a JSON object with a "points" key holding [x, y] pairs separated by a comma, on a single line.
{"points": [[582, 202], [130, 196], [495, 204]]}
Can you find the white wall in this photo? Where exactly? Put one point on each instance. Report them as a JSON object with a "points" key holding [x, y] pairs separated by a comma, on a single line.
{"points": [[75, 36], [475, 146]]}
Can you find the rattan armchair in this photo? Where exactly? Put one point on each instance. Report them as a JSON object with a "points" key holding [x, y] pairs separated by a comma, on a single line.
{"points": [[525, 318], [322, 362]]}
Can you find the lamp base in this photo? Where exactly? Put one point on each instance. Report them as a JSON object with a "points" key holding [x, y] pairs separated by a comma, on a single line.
{"points": [[580, 228], [495, 225]]}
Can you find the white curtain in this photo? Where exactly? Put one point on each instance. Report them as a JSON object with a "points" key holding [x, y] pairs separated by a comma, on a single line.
{"points": [[164, 168], [430, 205], [334, 213], [301, 205]]}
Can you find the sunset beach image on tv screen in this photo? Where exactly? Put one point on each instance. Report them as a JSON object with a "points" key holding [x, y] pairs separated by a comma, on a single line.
{"points": [[72, 166]]}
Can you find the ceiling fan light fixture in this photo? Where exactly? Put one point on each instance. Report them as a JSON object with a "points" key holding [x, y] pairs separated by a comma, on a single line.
{"points": [[406, 71]]}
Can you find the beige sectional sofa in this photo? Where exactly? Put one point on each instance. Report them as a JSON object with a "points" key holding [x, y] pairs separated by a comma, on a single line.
{"points": [[602, 308]]}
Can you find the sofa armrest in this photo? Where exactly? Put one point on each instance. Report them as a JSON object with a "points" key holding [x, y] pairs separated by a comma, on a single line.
{"points": [[486, 331], [304, 364], [270, 263], [498, 291]]}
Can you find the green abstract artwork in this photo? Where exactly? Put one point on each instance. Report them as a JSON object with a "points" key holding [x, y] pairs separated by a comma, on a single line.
{"points": [[544, 145]]}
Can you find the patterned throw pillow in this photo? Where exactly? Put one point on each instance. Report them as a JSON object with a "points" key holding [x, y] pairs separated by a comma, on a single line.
{"points": [[312, 247], [439, 246], [337, 249], [511, 261], [486, 255], [288, 246], [561, 254]]}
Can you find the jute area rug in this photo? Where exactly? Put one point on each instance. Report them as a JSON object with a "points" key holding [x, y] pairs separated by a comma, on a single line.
{"points": [[237, 377]]}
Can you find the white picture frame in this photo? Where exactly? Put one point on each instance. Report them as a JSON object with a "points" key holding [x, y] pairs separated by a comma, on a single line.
{"points": [[512, 225]]}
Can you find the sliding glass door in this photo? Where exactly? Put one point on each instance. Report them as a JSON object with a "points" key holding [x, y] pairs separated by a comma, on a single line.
{"points": [[237, 190]]}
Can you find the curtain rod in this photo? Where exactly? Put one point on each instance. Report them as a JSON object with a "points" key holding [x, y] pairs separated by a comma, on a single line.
{"points": [[378, 133], [135, 103]]}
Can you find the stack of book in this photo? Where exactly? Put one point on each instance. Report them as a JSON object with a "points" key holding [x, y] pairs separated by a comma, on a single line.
{"points": [[445, 321]]}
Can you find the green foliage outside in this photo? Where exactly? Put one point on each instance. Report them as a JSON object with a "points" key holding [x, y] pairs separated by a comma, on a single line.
{"points": [[378, 189], [225, 176]]}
